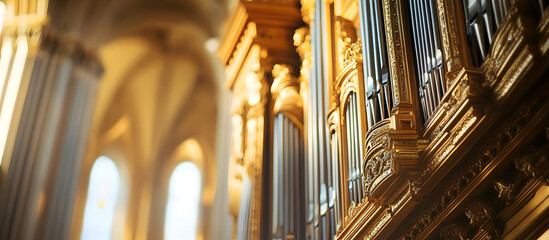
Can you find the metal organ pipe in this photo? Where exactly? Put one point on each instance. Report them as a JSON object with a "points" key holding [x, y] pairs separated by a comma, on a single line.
{"points": [[379, 102], [354, 152], [288, 181], [427, 55], [358, 146], [349, 154], [335, 177], [483, 18]]}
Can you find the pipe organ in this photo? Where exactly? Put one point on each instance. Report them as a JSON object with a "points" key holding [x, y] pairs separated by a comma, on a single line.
{"points": [[406, 120]]}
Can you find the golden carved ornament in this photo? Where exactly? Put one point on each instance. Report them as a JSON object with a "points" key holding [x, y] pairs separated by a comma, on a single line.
{"points": [[352, 52], [307, 10], [302, 42], [285, 93], [394, 51], [346, 38]]}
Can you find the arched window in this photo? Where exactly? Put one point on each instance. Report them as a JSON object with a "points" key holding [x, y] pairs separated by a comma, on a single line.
{"points": [[102, 195], [183, 202], [2, 15]]}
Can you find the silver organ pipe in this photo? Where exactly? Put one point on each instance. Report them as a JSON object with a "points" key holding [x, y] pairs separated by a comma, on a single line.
{"points": [[379, 102], [319, 219], [335, 181], [427, 54], [354, 150], [288, 181], [483, 18], [349, 154]]}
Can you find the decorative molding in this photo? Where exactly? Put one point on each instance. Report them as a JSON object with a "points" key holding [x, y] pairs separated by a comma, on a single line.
{"points": [[456, 136], [479, 164], [399, 201], [395, 53], [455, 51], [454, 232], [239, 54], [380, 223]]}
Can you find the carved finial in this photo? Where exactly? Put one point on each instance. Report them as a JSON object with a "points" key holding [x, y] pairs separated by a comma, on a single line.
{"points": [[281, 71], [352, 52]]}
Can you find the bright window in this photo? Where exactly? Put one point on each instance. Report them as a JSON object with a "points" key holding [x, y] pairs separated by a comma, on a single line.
{"points": [[2, 15], [102, 195], [183, 203]]}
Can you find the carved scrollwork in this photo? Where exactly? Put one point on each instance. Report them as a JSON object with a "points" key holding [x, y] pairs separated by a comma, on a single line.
{"points": [[377, 169], [352, 52], [454, 232], [506, 191], [479, 213], [482, 215], [379, 161], [348, 46], [534, 165], [378, 136]]}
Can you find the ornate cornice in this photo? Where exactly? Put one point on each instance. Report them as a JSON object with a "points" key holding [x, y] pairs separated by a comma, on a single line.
{"points": [[268, 24]]}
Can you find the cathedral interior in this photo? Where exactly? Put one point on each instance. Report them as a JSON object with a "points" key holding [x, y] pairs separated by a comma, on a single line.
{"points": [[274, 119]]}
